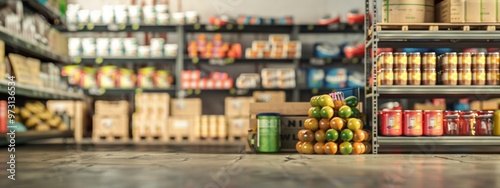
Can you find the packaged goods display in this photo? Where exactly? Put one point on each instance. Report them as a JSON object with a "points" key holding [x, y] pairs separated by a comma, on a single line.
{"points": [[110, 121], [451, 68], [333, 125], [248, 81], [192, 79], [216, 48], [278, 78], [114, 77], [148, 14], [277, 47], [119, 47], [149, 120], [333, 78], [36, 116], [250, 20], [437, 123]]}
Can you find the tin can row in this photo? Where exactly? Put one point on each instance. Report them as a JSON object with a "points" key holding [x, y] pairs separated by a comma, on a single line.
{"points": [[407, 77], [468, 77], [453, 60], [437, 123], [402, 60]]}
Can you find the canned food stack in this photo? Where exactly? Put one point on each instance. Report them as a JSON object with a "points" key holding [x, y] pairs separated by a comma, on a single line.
{"points": [[492, 67], [439, 123], [332, 126]]}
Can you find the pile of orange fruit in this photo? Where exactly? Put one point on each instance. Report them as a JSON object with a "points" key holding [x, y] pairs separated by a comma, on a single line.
{"points": [[334, 126]]}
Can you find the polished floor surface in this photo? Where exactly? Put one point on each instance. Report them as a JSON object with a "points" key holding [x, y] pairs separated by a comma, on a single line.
{"points": [[67, 166]]}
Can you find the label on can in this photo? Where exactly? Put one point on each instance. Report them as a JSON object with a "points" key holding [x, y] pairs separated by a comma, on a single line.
{"points": [[268, 134]]}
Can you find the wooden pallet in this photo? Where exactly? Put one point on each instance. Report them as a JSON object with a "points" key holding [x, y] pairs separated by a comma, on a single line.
{"points": [[438, 26], [109, 138]]}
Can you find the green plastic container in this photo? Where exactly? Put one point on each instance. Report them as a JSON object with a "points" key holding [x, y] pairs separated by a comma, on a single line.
{"points": [[268, 133]]}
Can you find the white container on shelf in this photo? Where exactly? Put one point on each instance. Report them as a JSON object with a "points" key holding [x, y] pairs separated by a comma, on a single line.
{"points": [[143, 51], [96, 16], [170, 50]]}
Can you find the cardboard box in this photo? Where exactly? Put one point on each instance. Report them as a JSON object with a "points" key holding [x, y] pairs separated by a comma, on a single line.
{"points": [[110, 126], [481, 11], [186, 107], [489, 11], [290, 126], [492, 104], [408, 11], [238, 127], [237, 106], [420, 106], [451, 11], [77, 110], [157, 104], [472, 11], [270, 96], [112, 107], [286, 108], [181, 127]]}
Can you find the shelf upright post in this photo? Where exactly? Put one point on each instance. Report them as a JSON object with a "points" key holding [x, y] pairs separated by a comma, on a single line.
{"points": [[296, 64], [373, 71], [179, 64]]}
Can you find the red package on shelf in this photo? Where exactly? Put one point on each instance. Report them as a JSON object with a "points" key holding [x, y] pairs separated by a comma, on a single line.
{"points": [[3, 116]]}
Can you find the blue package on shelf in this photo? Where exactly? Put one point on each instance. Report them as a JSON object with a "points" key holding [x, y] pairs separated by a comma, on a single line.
{"points": [[440, 51], [322, 50], [336, 78], [355, 79], [347, 92], [411, 50], [315, 78]]}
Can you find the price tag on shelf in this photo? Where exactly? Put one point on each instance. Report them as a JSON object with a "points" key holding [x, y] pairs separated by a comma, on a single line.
{"points": [[189, 92], [232, 91], [98, 60], [90, 26], [122, 26], [97, 91], [197, 26], [241, 27], [81, 26], [333, 27], [315, 91], [113, 27], [136, 27], [197, 92], [317, 61], [77, 60], [310, 27], [195, 60], [216, 62], [355, 60], [138, 91], [229, 26], [229, 60]]}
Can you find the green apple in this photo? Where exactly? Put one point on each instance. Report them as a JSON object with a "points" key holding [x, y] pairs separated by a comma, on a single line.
{"points": [[345, 111], [325, 100]]}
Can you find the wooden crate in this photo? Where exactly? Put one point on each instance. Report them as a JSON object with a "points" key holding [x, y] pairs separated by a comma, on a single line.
{"points": [[110, 128], [112, 107], [149, 128], [182, 128]]}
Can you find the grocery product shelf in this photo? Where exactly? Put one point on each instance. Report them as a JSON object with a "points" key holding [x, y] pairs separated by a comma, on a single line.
{"points": [[331, 61], [304, 29], [441, 140], [328, 29], [226, 61], [471, 91], [99, 60], [15, 43], [24, 137], [119, 91], [397, 39], [39, 92], [116, 28], [51, 15]]}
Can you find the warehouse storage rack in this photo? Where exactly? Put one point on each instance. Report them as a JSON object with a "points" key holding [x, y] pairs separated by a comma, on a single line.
{"points": [[376, 37]]}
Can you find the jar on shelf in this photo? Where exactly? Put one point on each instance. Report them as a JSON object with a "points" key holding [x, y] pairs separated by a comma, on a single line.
{"points": [[414, 76], [385, 77], [492, 60], [478, 77], [400, 60], [492, 77], [496, 123], [451, 124], [386, 60], [464, 77], [484, 125], [412, 125], [464, 60], [449, 60], [467, 123], [414, 61], [429, 77], [429, 60], [432, 122], [391, 122], [400, 77], [479, 60], [449, 77]]}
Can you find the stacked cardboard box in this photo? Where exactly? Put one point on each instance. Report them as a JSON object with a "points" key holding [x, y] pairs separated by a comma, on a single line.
{"points": [[111, 120], [149, 121], [237, 112], [278, 47], [468, 11], [212, 127], [77, 111], [408, 11], [185, 119]]}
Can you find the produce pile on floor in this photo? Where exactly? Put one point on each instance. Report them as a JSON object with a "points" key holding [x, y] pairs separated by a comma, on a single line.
{"points": [[333, 126]]}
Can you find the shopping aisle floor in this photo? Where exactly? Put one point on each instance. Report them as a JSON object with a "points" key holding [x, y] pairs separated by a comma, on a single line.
{"points": [[208, 167]]}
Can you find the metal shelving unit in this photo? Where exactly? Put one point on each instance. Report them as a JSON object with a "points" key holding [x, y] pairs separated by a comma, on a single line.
{"points": [[53, 16], [414, 39]]}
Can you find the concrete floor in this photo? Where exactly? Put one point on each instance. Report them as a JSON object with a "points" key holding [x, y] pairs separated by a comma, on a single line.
{"points": [[209, 167]]}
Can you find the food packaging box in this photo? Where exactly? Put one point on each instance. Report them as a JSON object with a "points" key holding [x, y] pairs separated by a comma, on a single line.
{"points": [[278, 46], [408, 11], [261, 45], [186, 107], [286, 74], [111, 107], [178, 18], [145, 77], [191, 75], [237, 106], [192, 17], [248, 80], [253, 54], [143, 51], [95, 16], [284, 84], [126, 78], [290, 126], [293, 46], [106, 77], [77, 110], [269, 96], [451, 11], [238, 126], [492, 104], [269, 84], [110, 125], [278, 54], [489, 10], [157, 43], [279, 38], [162, 19], [336, 78], [170, 50], [473, 11], [269, 73], [157, 104], [161, 79]]}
